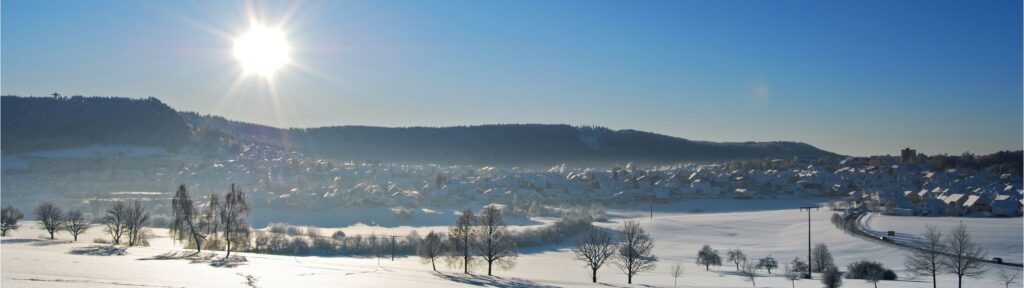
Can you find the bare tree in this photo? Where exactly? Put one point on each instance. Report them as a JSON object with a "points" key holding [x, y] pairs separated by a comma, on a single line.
{"points": [[136, 218], [768, 263], [963, 256], [832, 277], [210, 222], [635, 247], [460, 240], [185, 219], [50, 216], [494, 244], [925, 259], [676, 271], [10, 217], [594, 248], [1006, 277], [821, 258], [232, 216], [737, 257], [707, 257], [749, 271], [793, 273], [75, 223], [115, 221], [430, 249]]}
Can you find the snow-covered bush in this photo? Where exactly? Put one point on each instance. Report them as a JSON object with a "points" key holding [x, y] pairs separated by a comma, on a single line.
{"points": [[338, 235]]}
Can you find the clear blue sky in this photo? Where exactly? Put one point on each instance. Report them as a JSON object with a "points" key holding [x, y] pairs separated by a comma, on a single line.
{"points": [[854, 77]]}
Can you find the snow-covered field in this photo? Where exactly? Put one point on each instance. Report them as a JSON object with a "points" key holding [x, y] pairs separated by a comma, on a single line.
{"points": [[28, 261]]}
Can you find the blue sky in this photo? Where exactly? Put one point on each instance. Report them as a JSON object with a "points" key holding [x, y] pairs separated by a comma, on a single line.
{"points": [[854, 77]]}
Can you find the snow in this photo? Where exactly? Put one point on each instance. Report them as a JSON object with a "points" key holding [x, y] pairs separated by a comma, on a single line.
{"points": [[995, 234], [779, 230]]}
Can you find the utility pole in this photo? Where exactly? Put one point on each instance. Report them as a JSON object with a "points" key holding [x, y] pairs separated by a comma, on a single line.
{"points": [[393, 248], [808, 208]]}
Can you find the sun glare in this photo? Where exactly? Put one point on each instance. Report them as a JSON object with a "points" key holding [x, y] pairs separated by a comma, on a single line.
{"points": [[262, 50]]}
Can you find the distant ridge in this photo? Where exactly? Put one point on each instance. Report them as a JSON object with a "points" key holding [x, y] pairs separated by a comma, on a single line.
{"points": [[41, 123]]}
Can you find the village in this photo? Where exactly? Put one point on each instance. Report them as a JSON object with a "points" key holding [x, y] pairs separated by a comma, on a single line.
{"points": [[274, 178]]}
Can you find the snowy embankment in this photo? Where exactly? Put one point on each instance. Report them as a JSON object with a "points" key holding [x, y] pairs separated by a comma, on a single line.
{"points": [[28, 261]]}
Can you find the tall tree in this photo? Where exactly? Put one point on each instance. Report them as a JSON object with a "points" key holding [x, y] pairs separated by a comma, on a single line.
{"points": [[430, 248], [594, 248], [925, 259], [136, 218], [232, 216], [185, 219], [635, 247], [210, 222], [75, 223], [115, 221], [460, 240], [821, 258], [50, 216], [494, 244], [707, 257], [737, 257], [963, 256], [9, 219]]}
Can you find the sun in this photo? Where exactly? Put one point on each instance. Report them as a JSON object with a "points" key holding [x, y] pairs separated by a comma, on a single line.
{"points": [[262, 50]]}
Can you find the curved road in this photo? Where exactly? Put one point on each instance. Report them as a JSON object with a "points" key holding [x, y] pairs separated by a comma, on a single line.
{"points": [[901, 240]]}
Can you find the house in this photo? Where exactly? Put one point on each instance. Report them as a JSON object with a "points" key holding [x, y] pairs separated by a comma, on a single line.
{"points": [[955, 199], [1006, 207], [930, 207], [975, 203]]}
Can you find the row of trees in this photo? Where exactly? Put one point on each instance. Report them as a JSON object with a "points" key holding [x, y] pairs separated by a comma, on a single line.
{"points": [[484, 238], [631, 249], [200, 228], [955, 253], [121, 220]]}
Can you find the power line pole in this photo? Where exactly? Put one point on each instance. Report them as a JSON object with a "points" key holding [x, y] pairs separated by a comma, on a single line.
{"points": [[808, 208], [392, 247]]}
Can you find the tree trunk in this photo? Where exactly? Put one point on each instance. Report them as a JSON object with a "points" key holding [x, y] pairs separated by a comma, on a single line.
{"points": [[629, 279], [195, 237], [488, 268], [934, 283], [51, 235], [593, 275], [959, 280], [432, 264], [227, 238]]}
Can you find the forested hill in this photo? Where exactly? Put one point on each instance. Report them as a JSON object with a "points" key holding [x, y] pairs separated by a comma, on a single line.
{"points": [[529, 144], [42, 123], [45, 123]]}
